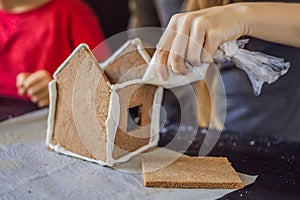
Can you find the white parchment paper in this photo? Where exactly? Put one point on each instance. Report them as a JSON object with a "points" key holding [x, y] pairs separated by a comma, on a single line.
{"points": [[28, 170]]}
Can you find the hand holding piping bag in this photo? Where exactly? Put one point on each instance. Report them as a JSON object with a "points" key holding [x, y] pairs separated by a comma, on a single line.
{"points": [[195, 36]]}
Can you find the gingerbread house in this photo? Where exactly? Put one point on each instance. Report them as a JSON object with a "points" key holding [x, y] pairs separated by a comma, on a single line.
{"points": [[103, 112]]}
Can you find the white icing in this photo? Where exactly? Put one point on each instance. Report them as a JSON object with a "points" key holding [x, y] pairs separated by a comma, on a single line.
{"points": [[51, 115], [141, 49], [58, 148], [128, 156], [107, 62], [114, 110], [137, 42], [155, 116], [126, 84], [114, 107], [69, 58], [112, 125]]}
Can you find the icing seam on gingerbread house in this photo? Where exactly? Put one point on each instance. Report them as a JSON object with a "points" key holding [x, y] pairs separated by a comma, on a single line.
{"points": [[114, 107], [113, 117], [136, 42]]}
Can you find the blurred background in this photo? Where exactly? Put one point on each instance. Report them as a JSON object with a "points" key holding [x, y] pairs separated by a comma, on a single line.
{"points": [[113, 15]]}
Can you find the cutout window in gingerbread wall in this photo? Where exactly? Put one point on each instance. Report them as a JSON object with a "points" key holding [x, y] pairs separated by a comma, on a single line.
{"points": [[134, 118]]}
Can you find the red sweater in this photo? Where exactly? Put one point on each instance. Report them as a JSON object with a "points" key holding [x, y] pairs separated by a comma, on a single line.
{"points": [[43, 38]]}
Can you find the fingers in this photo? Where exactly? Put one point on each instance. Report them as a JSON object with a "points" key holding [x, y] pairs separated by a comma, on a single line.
{"points": [[211, 44], [39, 86], [195, 44], [21, 77], [19, 82], [162, 51], [177, 54], [180, 43], [183, 40], [172, 47], [35, 85], [38, 76], [43, 102], [161, 64], [40, 94]]}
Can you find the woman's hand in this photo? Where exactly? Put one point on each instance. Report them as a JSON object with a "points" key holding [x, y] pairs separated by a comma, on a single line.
{"points": [[195, 37], [35, 85]]}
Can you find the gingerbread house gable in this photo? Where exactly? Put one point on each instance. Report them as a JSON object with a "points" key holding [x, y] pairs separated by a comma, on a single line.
{"points": [[101, 112]]}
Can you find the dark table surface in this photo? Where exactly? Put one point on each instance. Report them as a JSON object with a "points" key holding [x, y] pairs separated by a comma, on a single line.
{"points": [[12, 107], [274, 160]]}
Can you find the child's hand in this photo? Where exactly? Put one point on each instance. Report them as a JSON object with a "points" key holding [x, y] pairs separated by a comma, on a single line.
{"points": [[35, 85]]}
